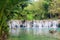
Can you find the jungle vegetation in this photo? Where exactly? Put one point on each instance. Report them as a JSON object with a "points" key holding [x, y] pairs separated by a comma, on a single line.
{"points": [[27, 10]]}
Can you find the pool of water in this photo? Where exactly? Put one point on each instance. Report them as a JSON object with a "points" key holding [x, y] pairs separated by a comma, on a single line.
{"points": [[33, 34]]}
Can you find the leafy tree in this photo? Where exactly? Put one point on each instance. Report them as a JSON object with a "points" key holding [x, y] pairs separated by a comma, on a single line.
{"points": [[7, 12], [26, 10], [39, 9], [54, 8]]}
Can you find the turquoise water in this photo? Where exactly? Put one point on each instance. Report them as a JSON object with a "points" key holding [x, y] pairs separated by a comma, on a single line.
{"points": [[58, 29], [24, 35]]}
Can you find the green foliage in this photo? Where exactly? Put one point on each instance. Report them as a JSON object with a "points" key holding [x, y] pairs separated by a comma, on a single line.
{"points": [[54, 8], [8, 10], [26, 10]]}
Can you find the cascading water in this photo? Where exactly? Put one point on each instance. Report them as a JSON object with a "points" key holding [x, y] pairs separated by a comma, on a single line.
{"points": [[34, 27]]}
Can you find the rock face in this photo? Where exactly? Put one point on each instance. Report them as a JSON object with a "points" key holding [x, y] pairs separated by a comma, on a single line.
{"points": [[37, 26]]}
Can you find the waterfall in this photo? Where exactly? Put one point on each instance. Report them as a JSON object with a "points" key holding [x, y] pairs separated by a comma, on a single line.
{"points": [[35, 26]]}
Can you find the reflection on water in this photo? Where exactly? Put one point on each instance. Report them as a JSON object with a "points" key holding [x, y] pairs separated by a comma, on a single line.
{"points": [[33, 34], [34, 31]]}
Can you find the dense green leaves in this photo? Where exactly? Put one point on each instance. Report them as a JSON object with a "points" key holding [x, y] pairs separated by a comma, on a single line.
{"points": [[8, 11], [27, 10]]}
